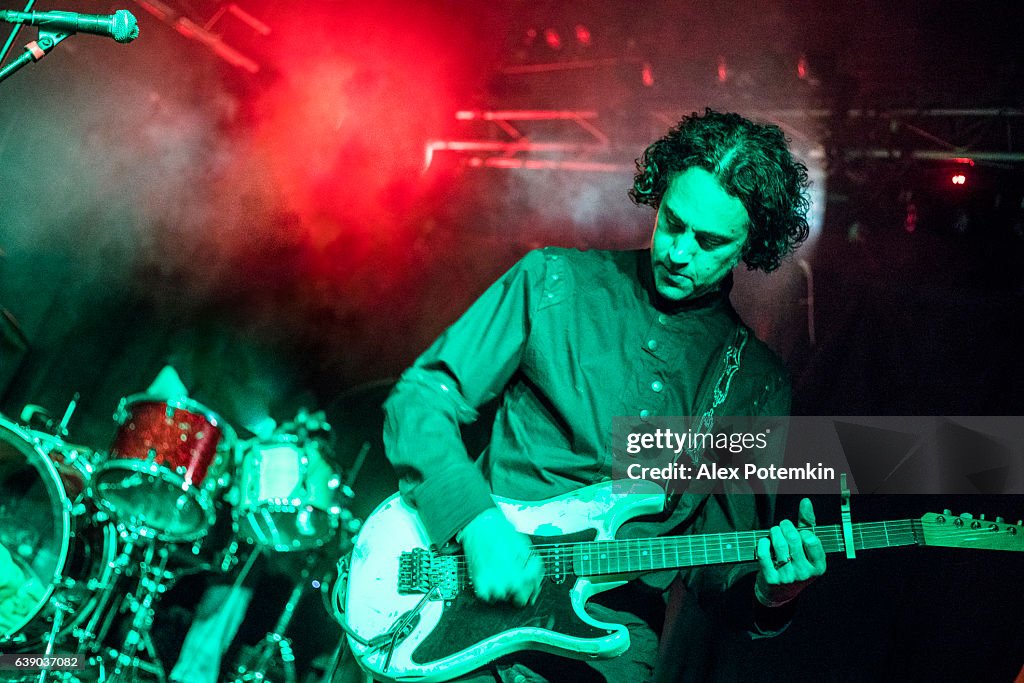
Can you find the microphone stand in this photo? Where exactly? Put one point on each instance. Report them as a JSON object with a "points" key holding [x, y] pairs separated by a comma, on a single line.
{"points": [[14, 32], [34, 51]]}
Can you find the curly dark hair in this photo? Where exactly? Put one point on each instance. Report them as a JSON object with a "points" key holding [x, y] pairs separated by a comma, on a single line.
{"points": [[752, 162]]}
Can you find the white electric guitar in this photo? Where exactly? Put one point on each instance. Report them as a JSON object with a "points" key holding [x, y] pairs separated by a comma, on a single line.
{"points": [[411, 614]]}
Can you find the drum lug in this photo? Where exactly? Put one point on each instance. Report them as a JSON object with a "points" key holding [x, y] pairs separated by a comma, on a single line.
{"points": [[120, 414]]}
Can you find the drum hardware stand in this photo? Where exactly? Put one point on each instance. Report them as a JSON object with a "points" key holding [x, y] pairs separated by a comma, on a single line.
{"points": [[152, 583], [275, 645], [92, 635], [58, 621]]}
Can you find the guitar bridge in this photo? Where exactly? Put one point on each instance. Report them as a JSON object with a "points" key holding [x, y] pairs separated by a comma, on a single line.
{"points": [[423, 571]]}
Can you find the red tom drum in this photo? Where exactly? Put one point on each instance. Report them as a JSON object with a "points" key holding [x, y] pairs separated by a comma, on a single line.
{"points": [[168, 462]]}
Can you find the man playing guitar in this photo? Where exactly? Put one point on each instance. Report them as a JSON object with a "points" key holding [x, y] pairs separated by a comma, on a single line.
{"points": [[567, 340]]}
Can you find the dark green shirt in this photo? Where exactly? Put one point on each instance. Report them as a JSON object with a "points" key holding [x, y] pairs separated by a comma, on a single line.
{"points": [[568, 340]]}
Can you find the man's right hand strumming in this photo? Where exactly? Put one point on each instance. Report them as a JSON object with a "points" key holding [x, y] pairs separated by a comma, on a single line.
{"points": [[502, 564]]}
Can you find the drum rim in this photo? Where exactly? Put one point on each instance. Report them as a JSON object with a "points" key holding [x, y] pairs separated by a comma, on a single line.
{"points": [[198, 493], [80, 463], [189, 405], [241, 515], [64, 504]]}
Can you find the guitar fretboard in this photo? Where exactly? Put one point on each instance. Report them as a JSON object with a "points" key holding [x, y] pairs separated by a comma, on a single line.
{"points": [[674, 552]]}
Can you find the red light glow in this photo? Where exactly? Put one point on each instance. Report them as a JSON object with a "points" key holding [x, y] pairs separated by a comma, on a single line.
{"points": [[552, 38], [344, 127], [959, 179], [647, 74]]}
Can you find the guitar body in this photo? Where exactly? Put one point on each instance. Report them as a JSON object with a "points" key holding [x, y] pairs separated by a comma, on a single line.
{"points": [[443, 636]]}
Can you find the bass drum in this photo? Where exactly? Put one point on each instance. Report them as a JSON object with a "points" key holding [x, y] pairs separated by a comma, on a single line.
{"points": [[55, 552]]}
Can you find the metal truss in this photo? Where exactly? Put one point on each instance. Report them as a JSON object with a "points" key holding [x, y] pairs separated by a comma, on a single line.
{"points": [[206, 33], [587, 141]]}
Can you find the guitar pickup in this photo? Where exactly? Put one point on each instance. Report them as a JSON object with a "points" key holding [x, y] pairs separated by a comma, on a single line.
{"points": [[422, 571]]}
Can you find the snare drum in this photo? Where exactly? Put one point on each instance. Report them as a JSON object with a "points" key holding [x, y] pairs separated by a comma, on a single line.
{"points": [[56, 554], [168, 461], [289, 495]]}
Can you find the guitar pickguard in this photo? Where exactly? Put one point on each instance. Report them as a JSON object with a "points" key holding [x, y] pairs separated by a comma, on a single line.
{"points": [[467, 620]]}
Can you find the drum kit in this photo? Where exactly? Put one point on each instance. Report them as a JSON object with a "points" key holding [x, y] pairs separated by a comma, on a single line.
{"points": [[90, 540]]}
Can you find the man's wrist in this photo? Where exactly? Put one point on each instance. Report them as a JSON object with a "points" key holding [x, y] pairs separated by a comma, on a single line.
{"points": [[767, 600]]}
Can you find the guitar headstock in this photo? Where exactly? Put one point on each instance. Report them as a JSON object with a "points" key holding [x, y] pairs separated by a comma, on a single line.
{"points": [[963, 531]]}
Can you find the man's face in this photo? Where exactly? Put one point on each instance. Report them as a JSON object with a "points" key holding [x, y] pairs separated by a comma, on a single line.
{"points": [[698, 237]]}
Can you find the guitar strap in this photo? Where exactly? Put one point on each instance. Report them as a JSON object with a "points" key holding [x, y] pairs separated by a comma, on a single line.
{"points": [[729, 366], [711, 399]]}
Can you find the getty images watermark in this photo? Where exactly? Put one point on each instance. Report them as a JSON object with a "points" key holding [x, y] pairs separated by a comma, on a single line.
{"points": [[696, 455], [806, 455]]}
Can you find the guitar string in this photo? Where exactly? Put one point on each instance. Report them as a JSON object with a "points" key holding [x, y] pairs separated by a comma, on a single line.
{"points": [[868, 534], [687, 549]]}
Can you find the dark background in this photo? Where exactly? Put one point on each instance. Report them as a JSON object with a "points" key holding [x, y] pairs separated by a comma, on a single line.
{"points": [[278, 237]]}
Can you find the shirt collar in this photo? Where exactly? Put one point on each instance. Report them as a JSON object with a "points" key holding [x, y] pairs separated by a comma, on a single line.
{"points": [[709, 301]]}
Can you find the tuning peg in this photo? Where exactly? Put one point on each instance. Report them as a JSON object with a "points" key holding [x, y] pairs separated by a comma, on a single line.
{"points": [[1000, 520], [947, 512], [981, 516], [966, 515]]}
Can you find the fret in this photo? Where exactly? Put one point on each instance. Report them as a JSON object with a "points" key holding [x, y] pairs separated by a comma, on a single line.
{"points": [[630, 556]]}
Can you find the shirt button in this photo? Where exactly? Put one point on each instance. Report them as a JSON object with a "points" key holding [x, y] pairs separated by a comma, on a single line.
{"points": [[652, 344], [644, 414], [662, 318], [657, 386]]}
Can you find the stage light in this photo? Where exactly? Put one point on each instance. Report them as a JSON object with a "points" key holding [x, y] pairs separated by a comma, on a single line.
{"points": [[959, 179], [582, 34], [723, 70], [801, 68], [552, 38], [647, 74]]}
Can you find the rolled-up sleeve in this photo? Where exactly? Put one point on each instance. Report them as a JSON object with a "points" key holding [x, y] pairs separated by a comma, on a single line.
{"points": [[469, 364]]}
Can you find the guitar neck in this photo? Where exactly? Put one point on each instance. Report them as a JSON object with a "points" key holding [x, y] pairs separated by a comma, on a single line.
{"points": [[599, 558]]}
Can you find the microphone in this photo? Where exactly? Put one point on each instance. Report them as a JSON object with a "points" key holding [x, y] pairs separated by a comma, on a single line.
{"points": [[121, 26]]}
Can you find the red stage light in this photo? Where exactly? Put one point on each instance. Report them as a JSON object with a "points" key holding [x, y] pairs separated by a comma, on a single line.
{"points": [[959, 179], [647, 74], [552, 38], [582, 34]]}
